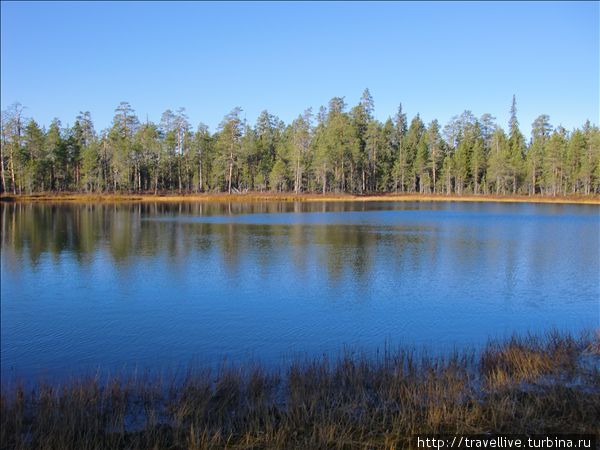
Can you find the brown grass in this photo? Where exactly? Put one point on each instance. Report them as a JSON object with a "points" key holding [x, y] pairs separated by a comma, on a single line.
{"points": [[290, 197], [524, 385]]}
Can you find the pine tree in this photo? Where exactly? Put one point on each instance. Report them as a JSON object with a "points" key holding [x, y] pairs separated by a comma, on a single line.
{"points": [[435, 151], [401, 165], [478, 159], [33, 155], [590, 166], [575, 170], [301, 141], [540, 132], [229, 144], [413, 137], [553, 162], [516, 144], [498, 171]]}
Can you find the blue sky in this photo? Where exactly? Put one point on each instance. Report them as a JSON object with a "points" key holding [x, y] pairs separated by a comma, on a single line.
{"points": [[437, 58]]}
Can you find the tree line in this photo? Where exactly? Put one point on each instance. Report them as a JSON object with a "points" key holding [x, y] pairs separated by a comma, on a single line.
{"points": [[340, 149]]}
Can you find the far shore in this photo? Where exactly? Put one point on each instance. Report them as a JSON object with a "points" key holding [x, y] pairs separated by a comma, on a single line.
{"points": [[70, 197]]}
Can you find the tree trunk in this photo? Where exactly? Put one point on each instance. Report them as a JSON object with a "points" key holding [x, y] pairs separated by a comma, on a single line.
{"points": [[363, 181], [230, 173], [12, 170], [157, 173], [179, 171], [297, 178], [200, 175], [2, 166]]}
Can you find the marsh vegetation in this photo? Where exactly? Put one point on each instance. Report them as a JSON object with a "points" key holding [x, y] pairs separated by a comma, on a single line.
{"points": [[523, 385]]}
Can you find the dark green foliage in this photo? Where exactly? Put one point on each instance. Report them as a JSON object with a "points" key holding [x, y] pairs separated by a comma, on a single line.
{"points": [[346, 150]]}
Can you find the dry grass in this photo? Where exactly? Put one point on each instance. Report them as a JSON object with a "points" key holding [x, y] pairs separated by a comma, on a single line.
{"points": [[524, 385], [290, 197]]}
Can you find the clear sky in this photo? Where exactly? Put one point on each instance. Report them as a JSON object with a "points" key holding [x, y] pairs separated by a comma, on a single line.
{"points": [[437, 58]]}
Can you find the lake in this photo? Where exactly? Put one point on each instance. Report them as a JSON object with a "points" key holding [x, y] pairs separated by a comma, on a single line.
{"points": [[161, 285]]}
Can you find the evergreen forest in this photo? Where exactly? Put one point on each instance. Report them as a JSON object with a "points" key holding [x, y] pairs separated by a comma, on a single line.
{"points": [[340, 149]]}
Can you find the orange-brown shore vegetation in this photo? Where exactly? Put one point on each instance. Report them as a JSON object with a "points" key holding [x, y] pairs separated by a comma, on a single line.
{"points": [[529, 385], [290, 197]]}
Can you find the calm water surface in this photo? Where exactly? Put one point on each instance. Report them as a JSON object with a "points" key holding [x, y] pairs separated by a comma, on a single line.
{"points": [[160, 285]]}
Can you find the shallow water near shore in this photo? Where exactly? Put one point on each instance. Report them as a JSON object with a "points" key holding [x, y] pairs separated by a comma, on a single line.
{"points": [[147, 285]]}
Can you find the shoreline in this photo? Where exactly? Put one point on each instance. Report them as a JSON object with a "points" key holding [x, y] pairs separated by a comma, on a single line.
{"points": [[251, 197], [540, 384]]}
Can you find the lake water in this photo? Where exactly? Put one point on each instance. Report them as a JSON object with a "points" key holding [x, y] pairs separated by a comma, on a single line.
{"points": [[120, 286]]}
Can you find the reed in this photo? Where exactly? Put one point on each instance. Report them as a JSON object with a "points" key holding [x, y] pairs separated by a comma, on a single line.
{"points": [[544, 384]]}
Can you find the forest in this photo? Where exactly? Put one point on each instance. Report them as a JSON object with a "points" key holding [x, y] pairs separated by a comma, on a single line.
{"points": [[340, 149]]}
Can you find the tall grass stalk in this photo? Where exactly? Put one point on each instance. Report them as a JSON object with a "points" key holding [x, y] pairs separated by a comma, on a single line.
{"points": [[548, 384]]}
